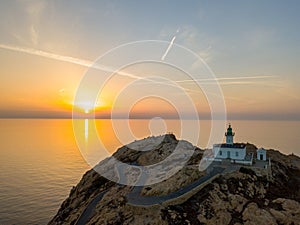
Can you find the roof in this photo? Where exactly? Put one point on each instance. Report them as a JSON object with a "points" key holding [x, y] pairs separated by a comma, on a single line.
{"points": [[235, 145]]}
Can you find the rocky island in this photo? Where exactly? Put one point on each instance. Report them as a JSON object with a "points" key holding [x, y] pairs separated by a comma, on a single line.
{"points": [[224, 193]]}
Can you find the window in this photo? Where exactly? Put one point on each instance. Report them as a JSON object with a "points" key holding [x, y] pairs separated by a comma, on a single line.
{"points": [[237, 154], [220, 152]]}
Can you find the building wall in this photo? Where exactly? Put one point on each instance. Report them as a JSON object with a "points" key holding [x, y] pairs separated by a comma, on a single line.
{"points": [[235, 153], [261, 153], [229, 139], [249, 163]]}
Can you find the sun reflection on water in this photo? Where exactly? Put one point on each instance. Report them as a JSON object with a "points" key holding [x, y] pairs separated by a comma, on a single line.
{"points": [[86, 129]]}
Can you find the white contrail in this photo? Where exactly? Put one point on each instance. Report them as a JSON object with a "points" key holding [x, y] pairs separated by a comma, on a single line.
{"points": [[77, 61], [48, 55], [82, 62], [87, 63], [169, 47], [226, 78], [230, 83]]}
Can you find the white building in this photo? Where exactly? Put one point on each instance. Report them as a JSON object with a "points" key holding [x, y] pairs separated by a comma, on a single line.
{"points": [[230, 150], [261, 154]]}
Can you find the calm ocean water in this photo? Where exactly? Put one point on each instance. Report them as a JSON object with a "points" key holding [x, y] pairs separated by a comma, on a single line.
{"points": [[40, 160]]}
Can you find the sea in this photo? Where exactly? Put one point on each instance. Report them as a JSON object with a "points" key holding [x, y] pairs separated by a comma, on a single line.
{"points": [[42, 159]]}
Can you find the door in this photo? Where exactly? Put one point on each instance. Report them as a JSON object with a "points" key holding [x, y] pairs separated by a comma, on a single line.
{"points": [[228, 154], [261, 157]]}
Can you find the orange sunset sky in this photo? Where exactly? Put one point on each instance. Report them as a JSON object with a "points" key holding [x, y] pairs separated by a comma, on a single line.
{"points": [[46, 48]]}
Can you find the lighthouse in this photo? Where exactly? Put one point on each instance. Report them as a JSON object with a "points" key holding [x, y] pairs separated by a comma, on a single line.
{"points": [[230, 151], [229, 135]]}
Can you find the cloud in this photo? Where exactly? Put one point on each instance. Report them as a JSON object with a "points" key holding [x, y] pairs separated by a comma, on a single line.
{"points": [[34, 10], [34, 35], [34, 7], [191, 37], [260, 37], [206, 54]]}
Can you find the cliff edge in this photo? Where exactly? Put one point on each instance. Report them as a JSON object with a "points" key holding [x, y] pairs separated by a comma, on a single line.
{"points": [[222, 194]]}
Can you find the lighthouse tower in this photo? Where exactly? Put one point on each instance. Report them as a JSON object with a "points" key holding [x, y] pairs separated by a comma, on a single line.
{"points": [[229, 135]]}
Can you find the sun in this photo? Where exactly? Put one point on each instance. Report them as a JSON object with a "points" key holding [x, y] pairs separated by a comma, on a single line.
{"points": [[88, 107]]}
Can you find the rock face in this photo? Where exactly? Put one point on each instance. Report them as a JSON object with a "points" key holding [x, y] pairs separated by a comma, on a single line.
{"points": [[242, 196]]}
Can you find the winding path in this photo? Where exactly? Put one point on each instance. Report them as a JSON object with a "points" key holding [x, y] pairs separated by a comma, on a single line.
{"points": [[136, 199], [89, 210]]}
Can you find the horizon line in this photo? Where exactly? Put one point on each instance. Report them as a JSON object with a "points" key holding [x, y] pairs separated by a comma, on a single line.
{"points": [[144, 118]]}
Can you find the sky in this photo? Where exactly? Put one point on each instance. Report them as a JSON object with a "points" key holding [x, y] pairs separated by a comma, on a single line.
{"points": [[47, 48]]}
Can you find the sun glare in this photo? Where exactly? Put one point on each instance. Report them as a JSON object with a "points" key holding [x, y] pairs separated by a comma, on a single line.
{"points": [[88, 107]]}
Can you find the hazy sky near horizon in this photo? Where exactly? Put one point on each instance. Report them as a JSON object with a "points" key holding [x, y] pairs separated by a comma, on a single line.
{"points": [[252, 47]]}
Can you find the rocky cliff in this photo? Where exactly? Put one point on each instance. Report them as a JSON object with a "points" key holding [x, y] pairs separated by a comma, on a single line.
{"points": [[240, 195]]}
